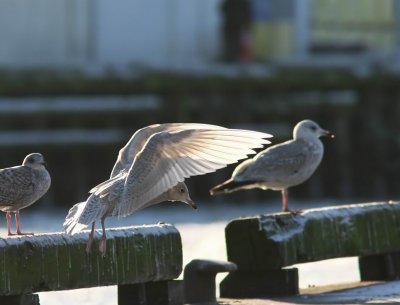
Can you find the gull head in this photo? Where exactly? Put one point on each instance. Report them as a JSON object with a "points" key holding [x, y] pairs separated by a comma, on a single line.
{"points": [[180, 192], [309, 129], [35, 161]]}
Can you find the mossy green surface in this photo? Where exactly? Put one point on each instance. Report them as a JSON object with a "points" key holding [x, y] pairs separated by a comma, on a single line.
{"points": [[274, 241], [57, 261]]}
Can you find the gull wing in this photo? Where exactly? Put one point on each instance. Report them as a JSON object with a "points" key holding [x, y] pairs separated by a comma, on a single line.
{"points": [[135, 144], [274, 164], [169, 157]]}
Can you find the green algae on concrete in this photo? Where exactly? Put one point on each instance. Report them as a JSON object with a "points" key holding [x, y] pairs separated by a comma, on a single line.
{"points": [[274, 241], [58, 261]]}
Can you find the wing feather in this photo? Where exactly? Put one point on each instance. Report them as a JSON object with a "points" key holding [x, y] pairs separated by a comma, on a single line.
{"points": [[170, 156], [128, 153]]}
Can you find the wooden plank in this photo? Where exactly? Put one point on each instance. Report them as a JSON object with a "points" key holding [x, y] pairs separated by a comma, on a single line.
{"points": [[56, 261]]}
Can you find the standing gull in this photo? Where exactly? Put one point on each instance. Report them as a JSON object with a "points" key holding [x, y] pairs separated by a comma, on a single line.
{"points": [[152, 166], [280, 166], [21, 186]]}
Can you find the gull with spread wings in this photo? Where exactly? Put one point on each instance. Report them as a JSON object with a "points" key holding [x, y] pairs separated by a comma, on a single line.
{"points": [[152, 166]]}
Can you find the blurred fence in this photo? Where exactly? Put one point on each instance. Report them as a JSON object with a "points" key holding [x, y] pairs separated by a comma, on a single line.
{"points": [[80, 135]]}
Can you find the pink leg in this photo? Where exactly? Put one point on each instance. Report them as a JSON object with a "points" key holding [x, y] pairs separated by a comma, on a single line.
{"points": [[18, 223], [285, 207], [284, 201], [90, 240], [8, 217], [103, 241]]}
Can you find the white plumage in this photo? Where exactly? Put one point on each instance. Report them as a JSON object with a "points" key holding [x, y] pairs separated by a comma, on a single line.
{"points": [[152, 166], [280, 166]]}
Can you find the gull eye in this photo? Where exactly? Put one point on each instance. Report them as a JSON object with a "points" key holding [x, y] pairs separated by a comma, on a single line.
{"points": [[313, 128], [182, 190]]}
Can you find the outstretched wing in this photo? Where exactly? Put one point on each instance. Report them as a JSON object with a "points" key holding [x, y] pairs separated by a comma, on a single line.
{"points": [[171, 156], [135, 144]]}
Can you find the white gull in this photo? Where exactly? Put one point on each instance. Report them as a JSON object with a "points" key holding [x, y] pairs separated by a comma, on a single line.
{"points": [[280, 166], [152, 166]]}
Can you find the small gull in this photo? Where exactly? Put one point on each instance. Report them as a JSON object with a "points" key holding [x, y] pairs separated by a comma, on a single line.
{"points": [[152, 166], [21, 186], [280, 166]]}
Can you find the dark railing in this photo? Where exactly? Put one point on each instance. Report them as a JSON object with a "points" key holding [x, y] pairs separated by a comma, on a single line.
{"points": [[142, 261], [263, 246]]}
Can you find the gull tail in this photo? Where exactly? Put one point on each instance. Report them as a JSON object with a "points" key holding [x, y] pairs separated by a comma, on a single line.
{"points": [[230, 186], [71, 224]]}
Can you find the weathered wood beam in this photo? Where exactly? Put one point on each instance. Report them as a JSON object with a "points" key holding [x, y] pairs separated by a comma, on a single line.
{"points": [[268, 242], [56, 261]]}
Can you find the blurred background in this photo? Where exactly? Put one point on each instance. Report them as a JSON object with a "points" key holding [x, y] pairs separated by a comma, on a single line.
{"points": [[79, 77]]}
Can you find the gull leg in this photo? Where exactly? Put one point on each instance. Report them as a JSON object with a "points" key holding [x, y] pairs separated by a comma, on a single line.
{"points": [[103, 240], [285, 207], [8, 217], [90, 240], [18, 223]]}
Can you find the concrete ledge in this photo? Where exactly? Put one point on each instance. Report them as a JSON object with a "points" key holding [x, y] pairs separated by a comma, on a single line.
{"points": [[270, 242], [58, 261]]}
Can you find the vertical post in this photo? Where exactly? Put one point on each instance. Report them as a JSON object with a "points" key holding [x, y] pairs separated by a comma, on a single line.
{"points": [[396, 12], [164, 293], [172, 39], [132, 294], [262, 284], [302, 28], [380, 267], [151, 293], [92, 30]]}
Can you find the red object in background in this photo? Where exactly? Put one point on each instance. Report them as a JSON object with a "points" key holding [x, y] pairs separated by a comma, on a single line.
{"points": [[246, 51]]}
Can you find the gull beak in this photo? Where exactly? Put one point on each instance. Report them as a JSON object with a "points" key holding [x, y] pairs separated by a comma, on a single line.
{"points": [[329, 134], [192, 204]]}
